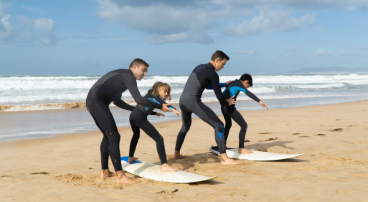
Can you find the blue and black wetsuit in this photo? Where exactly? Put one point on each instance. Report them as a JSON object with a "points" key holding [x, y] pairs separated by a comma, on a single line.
{"points": [[190, 102], [107, 89], [138, 120], [230, 112]]}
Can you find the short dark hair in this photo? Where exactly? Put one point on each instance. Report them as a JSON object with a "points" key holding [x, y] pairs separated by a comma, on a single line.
{"points": [[247, 77], [219, 54], [138, 62]]}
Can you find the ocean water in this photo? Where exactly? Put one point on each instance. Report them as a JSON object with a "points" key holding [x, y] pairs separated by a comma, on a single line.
{"points": [[50, 92], [43, 93]]}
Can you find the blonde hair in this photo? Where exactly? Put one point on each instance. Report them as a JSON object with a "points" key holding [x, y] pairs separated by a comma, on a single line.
{"points": [[158, 86]]}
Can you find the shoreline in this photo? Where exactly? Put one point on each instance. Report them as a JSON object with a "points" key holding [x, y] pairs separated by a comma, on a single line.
{"points": [[334, 167], [154, 122]]}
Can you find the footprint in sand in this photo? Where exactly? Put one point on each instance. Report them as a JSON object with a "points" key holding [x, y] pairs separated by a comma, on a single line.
{"points": [[321, 134], [246, 140], [40, 173], [270, 139], [336, 130], [304, 136], [265, 133], [6, 176], [296, 133]]}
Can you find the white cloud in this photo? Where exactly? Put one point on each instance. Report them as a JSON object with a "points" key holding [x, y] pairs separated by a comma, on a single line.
{"points": [[243, 52], [343, 52], [39, 31], [302, 5], [162, 23], [292, 49], [269, 20], [192, 20], [322, 52], [6, 30]]}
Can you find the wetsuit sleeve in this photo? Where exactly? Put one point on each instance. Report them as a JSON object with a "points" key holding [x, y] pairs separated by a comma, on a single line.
{"points": [[163, 102], [217, 89], [120, 103], [251, 95], [153, 113], [131, 84], [211, 87]]}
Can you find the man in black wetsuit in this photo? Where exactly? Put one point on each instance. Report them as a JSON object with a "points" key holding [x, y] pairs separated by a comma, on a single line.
{"points": [[107, 89], [190, 102]]}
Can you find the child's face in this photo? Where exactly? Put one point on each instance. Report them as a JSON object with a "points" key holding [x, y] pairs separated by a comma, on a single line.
{"points": [[246, 83], [163, 92]]}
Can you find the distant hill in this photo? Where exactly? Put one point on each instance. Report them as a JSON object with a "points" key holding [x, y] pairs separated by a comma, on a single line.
{"points": [[329, 70]]}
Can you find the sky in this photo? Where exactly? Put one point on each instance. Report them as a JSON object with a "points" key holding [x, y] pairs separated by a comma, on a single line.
{"points": [[93, 37]]}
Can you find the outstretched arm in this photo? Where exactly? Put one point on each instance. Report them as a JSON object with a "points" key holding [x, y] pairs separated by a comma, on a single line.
{"points": [[211, 87], [120, 103], [131, 84], [255, 98], [251, 95]]}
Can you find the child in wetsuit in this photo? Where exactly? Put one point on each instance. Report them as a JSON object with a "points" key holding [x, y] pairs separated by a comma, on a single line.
{"points": [[230, 112], [138, 120]]}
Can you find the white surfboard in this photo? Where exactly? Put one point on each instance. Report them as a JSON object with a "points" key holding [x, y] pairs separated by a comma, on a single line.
{"points": [[255, 156], [154, 172]]}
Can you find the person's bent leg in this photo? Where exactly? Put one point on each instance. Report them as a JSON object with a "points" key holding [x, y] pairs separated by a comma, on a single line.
{"points": [[228, 122], [151, 131], [186, 116], [207, 115], [238, 118], [134, 141], [106, 123], [104, 151]]}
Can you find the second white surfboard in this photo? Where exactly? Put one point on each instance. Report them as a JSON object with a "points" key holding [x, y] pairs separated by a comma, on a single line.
{"points": [[255, 156]]}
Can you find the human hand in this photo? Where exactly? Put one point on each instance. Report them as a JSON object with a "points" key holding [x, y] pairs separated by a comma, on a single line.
{"points": [[231, 100], [227, 83], [159, 114], [263, 105], [165, 108], [176, 112]]}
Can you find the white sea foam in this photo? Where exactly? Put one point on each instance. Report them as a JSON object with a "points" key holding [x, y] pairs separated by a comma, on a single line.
{"points": [[35, 92]]}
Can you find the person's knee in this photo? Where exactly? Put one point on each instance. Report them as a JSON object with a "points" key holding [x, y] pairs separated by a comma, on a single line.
{"points": [[219, 129], [244, 126], [159, 139], [114, 134]]}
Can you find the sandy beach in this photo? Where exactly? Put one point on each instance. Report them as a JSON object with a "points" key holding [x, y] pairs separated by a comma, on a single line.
{"points": [[334, 167]]}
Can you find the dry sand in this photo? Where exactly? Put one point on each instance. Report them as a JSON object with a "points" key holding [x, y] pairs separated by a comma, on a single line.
{"points": [[334, 168]]}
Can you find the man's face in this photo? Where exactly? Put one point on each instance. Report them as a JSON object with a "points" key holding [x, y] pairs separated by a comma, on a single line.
{"points": [[139, 72], [219, 64]]}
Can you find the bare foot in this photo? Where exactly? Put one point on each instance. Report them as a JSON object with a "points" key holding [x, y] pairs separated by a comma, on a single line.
{"points": [[106, 173], [166, 167], [177, 155], [225, 160], [244, 151], [121, 178], [131, 159]]}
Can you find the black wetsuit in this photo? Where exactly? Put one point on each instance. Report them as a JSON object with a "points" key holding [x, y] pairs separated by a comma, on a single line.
{"points": [[190, 102], [107, 89], [138, 119], [230, 112]]}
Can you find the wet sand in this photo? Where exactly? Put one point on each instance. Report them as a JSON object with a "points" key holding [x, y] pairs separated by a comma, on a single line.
{"points": [[334, 168]]}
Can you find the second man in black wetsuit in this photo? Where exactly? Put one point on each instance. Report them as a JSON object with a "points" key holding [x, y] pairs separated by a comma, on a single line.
{"points": [[190, 102]]}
